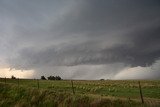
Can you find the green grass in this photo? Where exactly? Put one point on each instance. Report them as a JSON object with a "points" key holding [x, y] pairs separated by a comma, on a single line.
{"points": [[107, 93]]}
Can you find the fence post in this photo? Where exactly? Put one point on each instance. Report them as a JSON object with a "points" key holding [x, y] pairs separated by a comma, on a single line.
{"points": [[5, 80], [140, 90], [18, 82], [72, 87], [38, 83]]}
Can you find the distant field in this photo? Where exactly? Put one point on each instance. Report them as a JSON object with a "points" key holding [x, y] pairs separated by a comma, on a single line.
{"points": [[90, 93]]}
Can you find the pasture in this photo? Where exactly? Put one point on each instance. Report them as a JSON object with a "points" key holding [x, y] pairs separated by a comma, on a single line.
{"points": [[82, 93]]}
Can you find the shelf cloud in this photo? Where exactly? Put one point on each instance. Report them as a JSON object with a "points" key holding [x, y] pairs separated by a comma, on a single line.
{"points": [[85, 39]]}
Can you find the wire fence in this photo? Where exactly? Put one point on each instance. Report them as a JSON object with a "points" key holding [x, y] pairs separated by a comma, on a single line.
{"points": [[39, 84]]}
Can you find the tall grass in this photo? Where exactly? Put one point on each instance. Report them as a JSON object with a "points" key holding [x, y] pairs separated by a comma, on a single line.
{"points": [[14, 96], [25, 93]]}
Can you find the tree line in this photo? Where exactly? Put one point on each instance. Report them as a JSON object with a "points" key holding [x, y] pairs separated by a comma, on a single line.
{"points": [[44, 78], [51, 78]]}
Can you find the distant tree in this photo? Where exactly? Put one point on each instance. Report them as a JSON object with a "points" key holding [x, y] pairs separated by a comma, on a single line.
{"points": [[13, 77], [43, 78], [51, 78], [57, 78], [54, 78]]}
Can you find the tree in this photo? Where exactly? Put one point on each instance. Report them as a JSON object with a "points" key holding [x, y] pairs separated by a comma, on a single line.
{"points": [[13, 77], [101, 79], [54, 78], [43, 78], [51, 78], [57, 78]]}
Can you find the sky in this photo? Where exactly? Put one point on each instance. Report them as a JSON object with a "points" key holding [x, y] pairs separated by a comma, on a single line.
{"points": [[80, 39]]}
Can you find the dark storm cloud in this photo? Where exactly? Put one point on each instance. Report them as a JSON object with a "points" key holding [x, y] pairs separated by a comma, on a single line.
{"points": [[39, 34], [106, 16]]}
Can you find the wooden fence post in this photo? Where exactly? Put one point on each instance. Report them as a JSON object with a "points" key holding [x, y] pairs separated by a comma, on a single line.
{"points": [[18, 82], [72, 87], [38, 83], [140, 90], [5, 80]]}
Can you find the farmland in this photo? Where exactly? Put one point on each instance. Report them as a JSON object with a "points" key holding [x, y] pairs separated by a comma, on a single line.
{"points": [[96, 93]]}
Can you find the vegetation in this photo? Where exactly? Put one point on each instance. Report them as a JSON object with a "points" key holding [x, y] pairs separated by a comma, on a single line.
{"points": [[54, 78], [43, 78], [106, 93], [13, 77]]}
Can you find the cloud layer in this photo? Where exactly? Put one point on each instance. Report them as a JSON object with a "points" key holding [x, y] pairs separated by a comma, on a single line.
{"points": [[86, 37]]}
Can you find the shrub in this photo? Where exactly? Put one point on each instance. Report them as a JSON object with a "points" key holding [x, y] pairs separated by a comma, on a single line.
{"points": [[54, 78], [13, 77], [43, 78]]}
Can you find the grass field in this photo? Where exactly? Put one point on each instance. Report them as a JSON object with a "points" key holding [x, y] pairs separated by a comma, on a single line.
{"points": [[107, 93]]}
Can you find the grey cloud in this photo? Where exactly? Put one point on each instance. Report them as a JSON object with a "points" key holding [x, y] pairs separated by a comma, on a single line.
{"points": [[106, 16], [142, 50], [38, 34]]}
